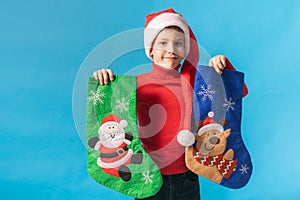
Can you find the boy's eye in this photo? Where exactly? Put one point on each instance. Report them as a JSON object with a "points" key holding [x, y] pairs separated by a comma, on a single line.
{"points": [[163, 43], [178, 44]]}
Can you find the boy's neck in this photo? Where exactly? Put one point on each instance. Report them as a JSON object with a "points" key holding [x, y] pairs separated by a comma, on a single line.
{"points": [[167, 69], [163, 73]]}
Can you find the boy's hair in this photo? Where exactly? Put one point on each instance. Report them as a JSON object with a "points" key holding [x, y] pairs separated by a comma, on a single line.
{"points": [[176, 28]]}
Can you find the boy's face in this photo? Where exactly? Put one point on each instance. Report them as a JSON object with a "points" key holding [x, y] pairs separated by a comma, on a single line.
{"points": [[168, 48]]}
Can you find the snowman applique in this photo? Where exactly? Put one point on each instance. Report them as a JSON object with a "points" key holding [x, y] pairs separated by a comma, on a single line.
{"points": [[112, 145]]}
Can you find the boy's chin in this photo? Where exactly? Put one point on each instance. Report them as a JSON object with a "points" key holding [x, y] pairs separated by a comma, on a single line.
{"points": [[170, 65]]}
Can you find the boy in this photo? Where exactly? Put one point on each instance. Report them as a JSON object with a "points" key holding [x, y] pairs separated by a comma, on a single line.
{"points": [[164, 99]]}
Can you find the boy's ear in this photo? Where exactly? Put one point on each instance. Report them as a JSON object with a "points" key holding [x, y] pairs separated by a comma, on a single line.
{"points": [[151, 54]]}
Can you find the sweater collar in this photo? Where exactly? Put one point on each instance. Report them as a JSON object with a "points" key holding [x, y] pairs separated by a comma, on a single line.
{"points": [[161, 72]]}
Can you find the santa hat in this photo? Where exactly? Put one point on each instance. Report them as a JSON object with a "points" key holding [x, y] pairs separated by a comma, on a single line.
{"points": [[156, 22], [112, 119], [209, 124]]}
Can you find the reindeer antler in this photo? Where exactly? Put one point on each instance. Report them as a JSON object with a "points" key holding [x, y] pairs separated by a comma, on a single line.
{"points": [[223, 121], [198, 124]]}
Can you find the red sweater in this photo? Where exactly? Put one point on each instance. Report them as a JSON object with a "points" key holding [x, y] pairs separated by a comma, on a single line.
{"points": [[164, 109], [161, 109]]}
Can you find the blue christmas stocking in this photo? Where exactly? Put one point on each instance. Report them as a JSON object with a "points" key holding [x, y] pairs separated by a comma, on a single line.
{"points": [[116, 158], [219, 153]]}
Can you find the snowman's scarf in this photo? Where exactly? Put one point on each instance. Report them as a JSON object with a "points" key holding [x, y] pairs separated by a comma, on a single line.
{"points": [[119, 98]]}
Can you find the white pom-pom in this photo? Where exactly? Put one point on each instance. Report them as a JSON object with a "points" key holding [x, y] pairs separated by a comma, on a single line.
{"points": [[123, 123], [185, 138], [211, 114]]}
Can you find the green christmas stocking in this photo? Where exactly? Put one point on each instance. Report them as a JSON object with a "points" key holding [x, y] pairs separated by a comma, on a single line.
{"points": [[116, 158]]}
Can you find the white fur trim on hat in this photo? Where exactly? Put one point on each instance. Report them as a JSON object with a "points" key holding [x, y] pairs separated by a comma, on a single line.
{"points": [[161, 21], [210, 127], [122, 124]]}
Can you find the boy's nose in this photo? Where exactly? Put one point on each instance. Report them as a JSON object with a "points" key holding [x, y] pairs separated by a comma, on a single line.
{"points": [[171, 48]]}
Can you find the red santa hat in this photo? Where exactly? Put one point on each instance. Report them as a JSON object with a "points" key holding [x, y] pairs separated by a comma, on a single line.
{"points": [[156, 22], [112, 119], [209, 124]]}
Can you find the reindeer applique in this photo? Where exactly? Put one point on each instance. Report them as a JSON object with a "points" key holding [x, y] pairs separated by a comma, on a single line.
{"points": [[208, 157]]}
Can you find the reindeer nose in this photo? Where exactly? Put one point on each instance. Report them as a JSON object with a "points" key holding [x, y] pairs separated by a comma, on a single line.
{"points": [[214, 140]]}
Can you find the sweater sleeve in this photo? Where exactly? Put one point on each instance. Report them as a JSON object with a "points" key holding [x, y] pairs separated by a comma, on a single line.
{"points": [[231, 67]]}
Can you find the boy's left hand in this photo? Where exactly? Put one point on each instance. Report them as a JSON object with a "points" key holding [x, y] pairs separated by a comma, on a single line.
{"points": [[218, 62]]}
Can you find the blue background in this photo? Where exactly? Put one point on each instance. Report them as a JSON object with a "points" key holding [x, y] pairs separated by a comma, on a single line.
{"points": [[44, 43]]}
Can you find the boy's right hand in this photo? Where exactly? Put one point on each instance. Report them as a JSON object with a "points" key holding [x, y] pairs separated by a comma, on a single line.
{"points": [[104, 76]]}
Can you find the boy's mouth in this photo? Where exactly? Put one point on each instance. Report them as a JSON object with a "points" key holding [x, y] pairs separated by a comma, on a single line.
{"points": [[171, 58]]}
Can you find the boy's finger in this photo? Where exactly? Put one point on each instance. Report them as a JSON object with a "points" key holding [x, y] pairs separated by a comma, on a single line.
{"points": [[95, 75], [215, 66], [111, 75], [218, 70], [100, 78], [220, 67], [210, 63], [105, 76], [223, 61]]}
